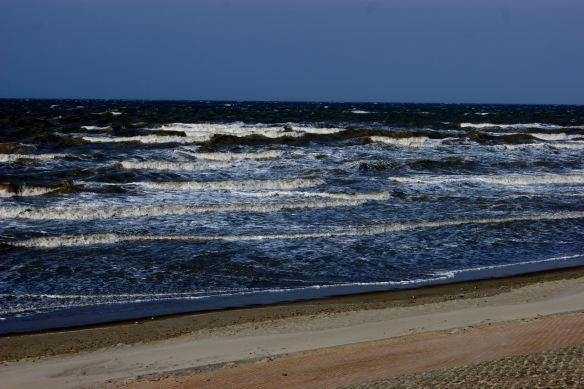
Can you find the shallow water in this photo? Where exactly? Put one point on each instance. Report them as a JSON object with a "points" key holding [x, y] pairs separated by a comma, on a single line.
{"points": [[119, 209]]}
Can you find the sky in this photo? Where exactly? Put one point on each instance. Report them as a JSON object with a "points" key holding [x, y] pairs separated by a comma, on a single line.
{"points": [[462, 51]]}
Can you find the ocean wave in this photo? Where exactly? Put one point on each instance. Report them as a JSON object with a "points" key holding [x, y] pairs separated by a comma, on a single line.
{"points": [[556, 137], [36, 157], [96, 128], [448, 274], [146, 139], [345, 196], [558, 146], [234, 185], [510, 180], [414, 142], [543, 126], [206, 131], [160, 165], [113, 238], [45, 302], [232, 156], [23, 191], [89, 213]]}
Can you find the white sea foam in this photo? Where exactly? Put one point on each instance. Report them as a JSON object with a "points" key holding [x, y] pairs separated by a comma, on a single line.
{"points": [[345, 196], [24, 191], [509, 180], [38, 157], [448, 274], [556, 137], [147, 139], [83, 240], [359, 112], [95, 128], [43, 301], [573, 145], [543, 126], [205, 131], [234, 185], [232, 156], [161, 165], [89, 213], [414, 142]]}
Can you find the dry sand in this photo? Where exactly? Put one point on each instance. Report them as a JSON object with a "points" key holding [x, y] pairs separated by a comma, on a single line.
{"points": [[208, 343]]}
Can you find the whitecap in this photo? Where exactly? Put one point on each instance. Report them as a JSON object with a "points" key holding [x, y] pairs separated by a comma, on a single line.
{"points": [[556, 137], [205, 131], [413, 142], [24, 191]]}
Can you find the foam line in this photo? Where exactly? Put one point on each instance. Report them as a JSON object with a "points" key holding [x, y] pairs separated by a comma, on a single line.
{"points": [[24, 191], [543, 126], [234, 185], [232, 156], [147, 139], [38, 157], [413, 142], [161, 165], [82, 214], [112, 238], [508, 180]]}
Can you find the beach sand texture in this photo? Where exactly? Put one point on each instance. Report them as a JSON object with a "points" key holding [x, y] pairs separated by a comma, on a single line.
{"points": [[333, 347]]}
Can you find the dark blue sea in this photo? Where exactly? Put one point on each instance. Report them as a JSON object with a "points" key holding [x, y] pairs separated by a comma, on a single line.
{"points": [[114, 210]]}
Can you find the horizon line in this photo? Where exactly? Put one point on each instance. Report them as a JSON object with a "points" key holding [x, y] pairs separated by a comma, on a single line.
{"points": [[280, 101]]}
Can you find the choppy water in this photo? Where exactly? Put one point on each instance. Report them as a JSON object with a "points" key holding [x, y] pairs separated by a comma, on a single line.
{"points": [[120, 209]]}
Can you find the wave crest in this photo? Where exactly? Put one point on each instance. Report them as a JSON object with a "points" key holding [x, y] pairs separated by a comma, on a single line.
{"points": [[232, 156], [83, 214], [234, 185], [160, 165], [84, 240]]}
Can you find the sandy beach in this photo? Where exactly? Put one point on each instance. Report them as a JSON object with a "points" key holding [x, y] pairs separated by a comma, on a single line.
{"points": [[349, 340]]}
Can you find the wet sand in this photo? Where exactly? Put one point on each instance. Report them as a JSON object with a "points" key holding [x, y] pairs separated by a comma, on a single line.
{"points": [[188, 347]]}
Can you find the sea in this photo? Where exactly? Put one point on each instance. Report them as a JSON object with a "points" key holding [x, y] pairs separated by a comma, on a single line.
{"points": [[123, 210]]}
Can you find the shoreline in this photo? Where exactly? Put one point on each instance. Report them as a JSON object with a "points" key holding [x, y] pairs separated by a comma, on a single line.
{"points": [[79, 317], [218, 345], [88, 338]]}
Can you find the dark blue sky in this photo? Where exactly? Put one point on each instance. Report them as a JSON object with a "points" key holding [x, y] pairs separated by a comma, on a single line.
{"points": [[507, 51]]}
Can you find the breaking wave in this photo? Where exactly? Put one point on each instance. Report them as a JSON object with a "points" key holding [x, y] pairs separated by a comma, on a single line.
{"points": [[234, 185], [112, 238], [556, 137], [147, 139], [511, 179], [87, 213], [345, 196], [543, 126], [568, 146], [159, 165], [232, 156], [37, 157], [205, 131], [23, 191], [96, 128], [414, 142]]}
